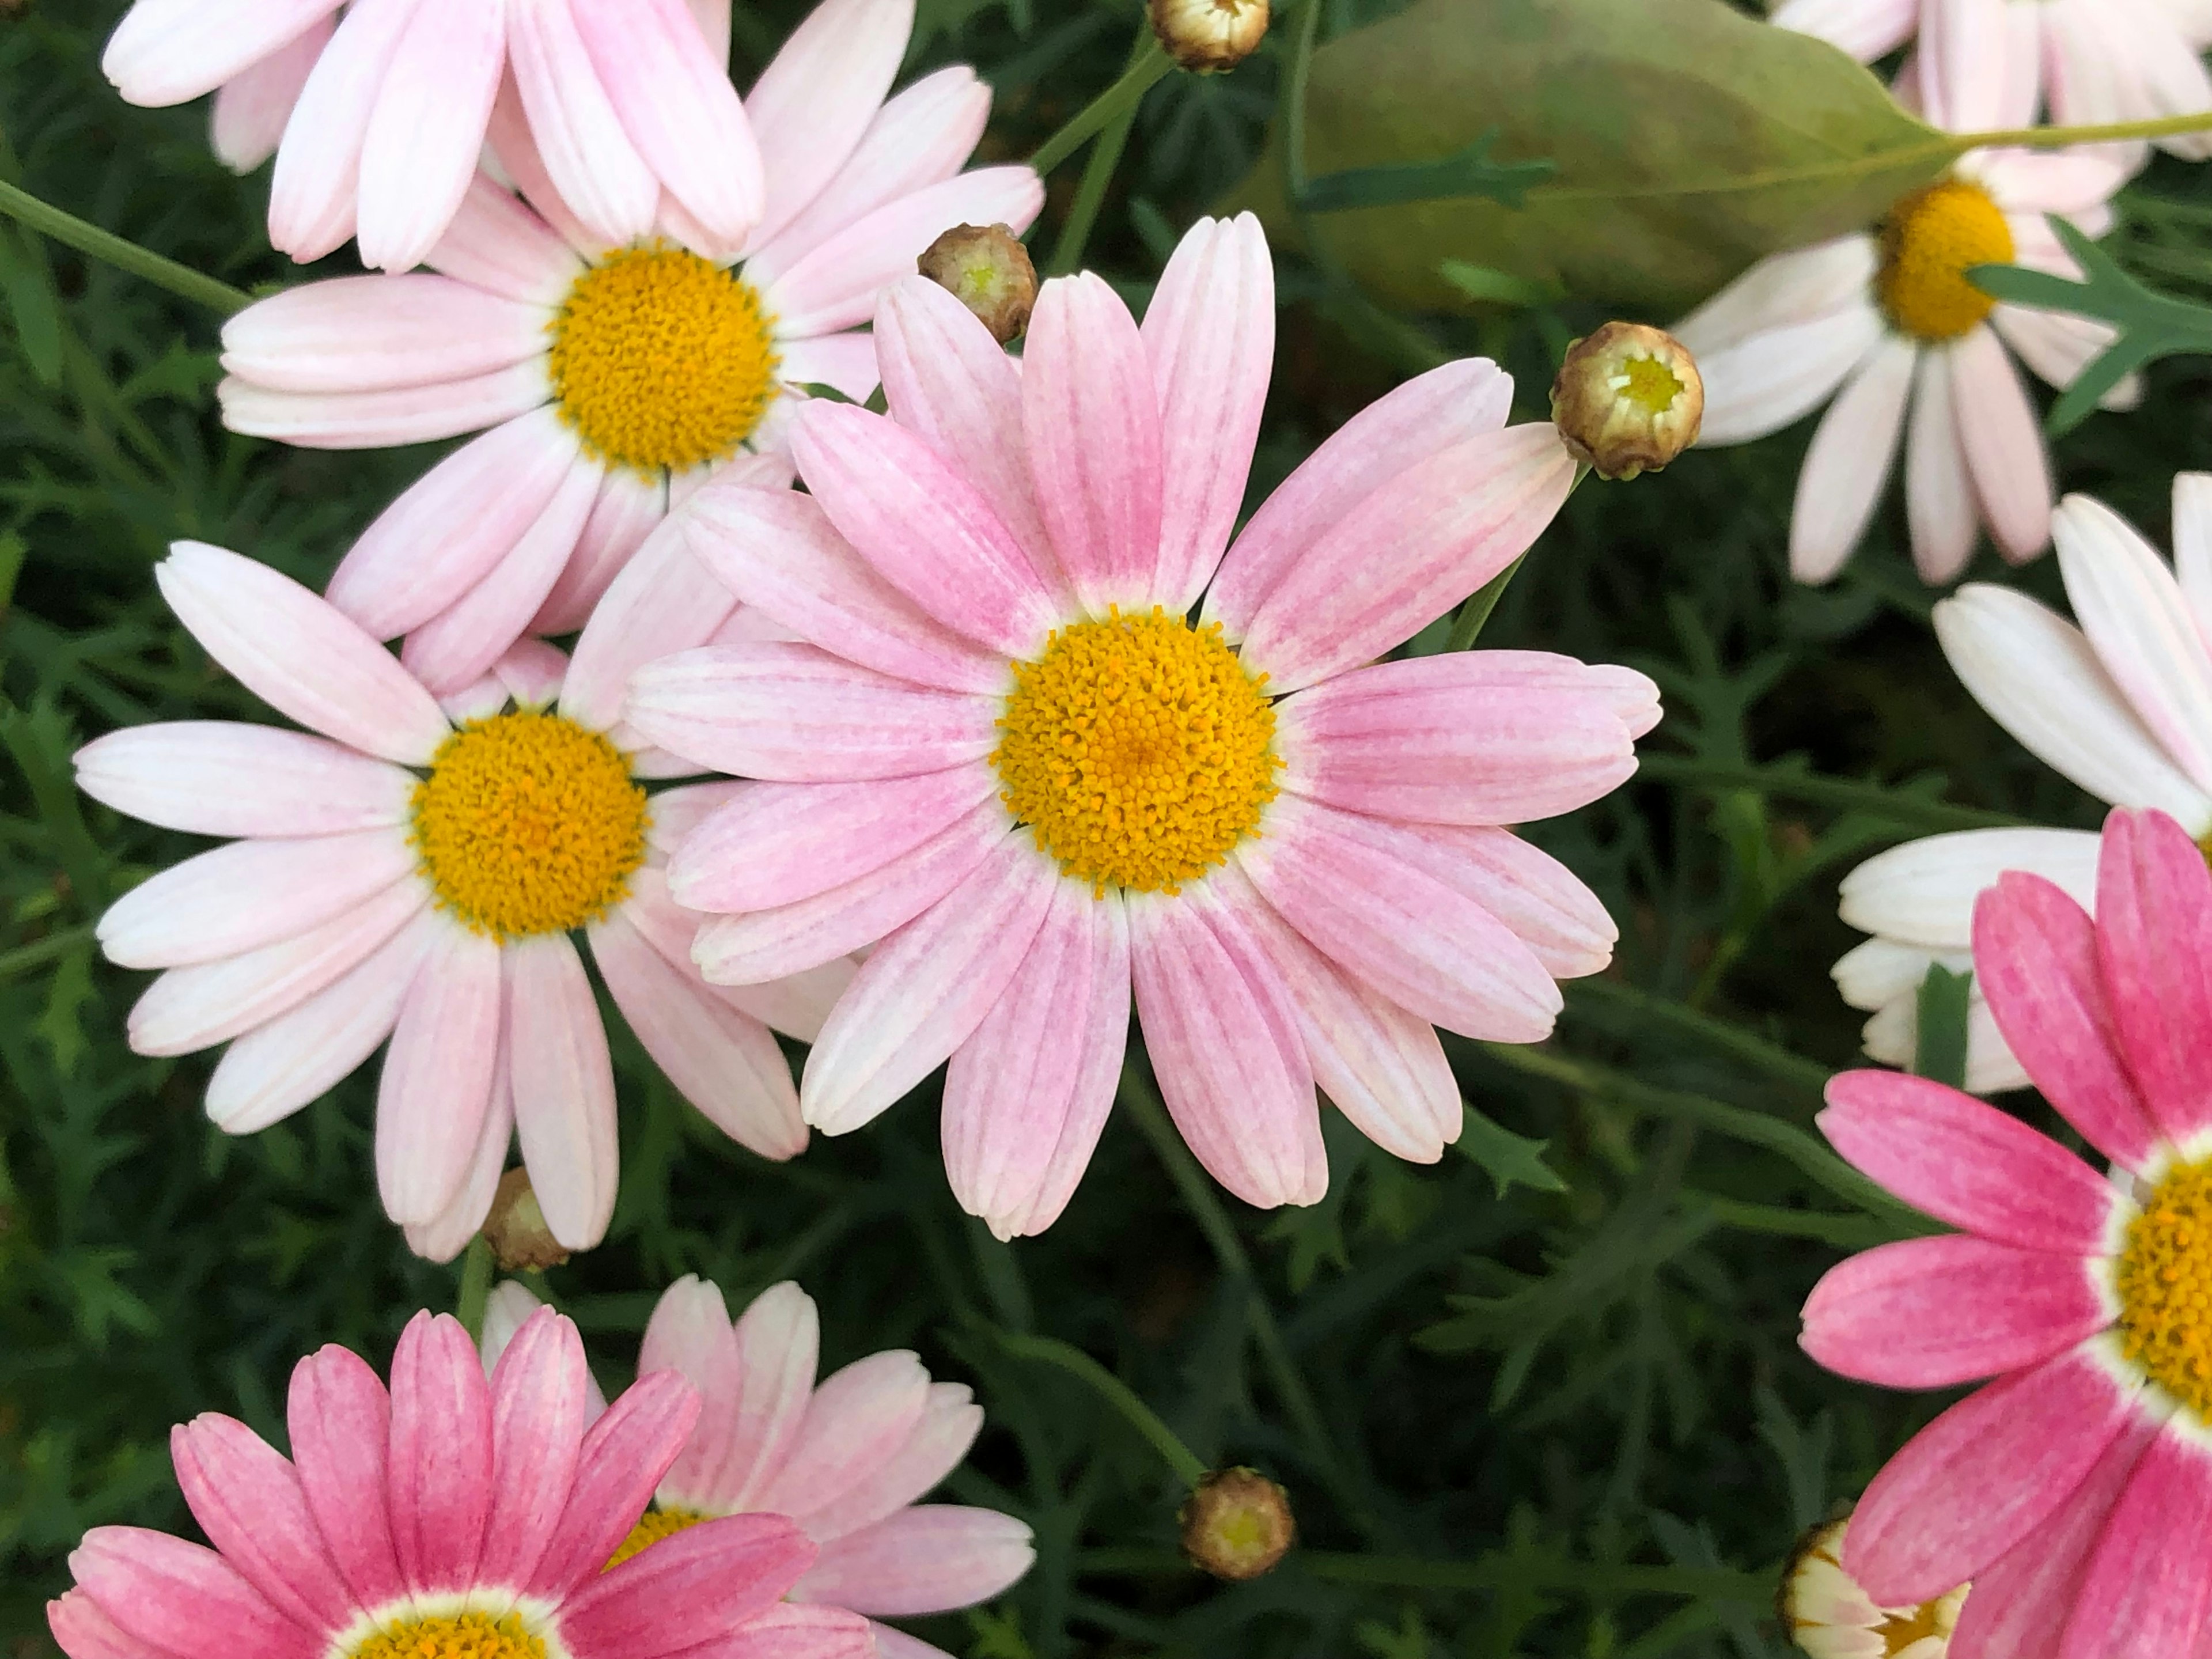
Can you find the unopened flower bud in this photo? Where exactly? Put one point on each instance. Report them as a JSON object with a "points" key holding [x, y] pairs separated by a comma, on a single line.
{"points": [[988, 269], [1207, 35], [1236, 1525], [1827, 1615], [1628, 399], [516, 1230]]}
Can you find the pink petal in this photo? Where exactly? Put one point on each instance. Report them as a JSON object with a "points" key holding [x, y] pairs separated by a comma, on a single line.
{"points": [[251, 893], [788, 1631], [380, 418], [1091, 423], [426, 129], [1209, 336], [1961, 52], [564, 1087], [953, 386], [441, 1454], [1984, 1475], [859, 1419], [540, 1392], [1419, 544], [81, 1631], [2036, 961], [797, 713], [950, 1422], [689, 1332], [571, 148], [248, 1500], [449, 1232], [798, 1004], [815, 99], [497, 245], [171, 52], [692, 1588], [1968, 1163], [338, 1417], [453, 526], [1849, 461], [778, 843], [844, 362], [2003, 444], [663, 601], [1222, 1035], [624, 1454], [1026, 1096], [311, 193], [252, 107], [181, 1599], [834, 284], [2153, 920], [210, 1002], [772, 944], [629, 509], [1426, 416], [1546, 904], [926, 989], [1358, 889], [925, 529], [778, 550], [223, 778], [2143, 1594], [925, 1559], [779, 1343], [721, 1059], [299, 655], [436, 1083]]}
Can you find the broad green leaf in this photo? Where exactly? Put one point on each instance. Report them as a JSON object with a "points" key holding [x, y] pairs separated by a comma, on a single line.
{"points": [[1687, 141], [2151, 324], [1470, 173], [1941, 1050]]}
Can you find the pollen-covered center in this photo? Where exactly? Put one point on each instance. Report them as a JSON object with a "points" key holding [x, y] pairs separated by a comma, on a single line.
{"points": [[2165, 1285], [1930, 242], [1649, 384], [452, 1636], [1137, 750], [528, 823], [652, 1527], [660, 359]]}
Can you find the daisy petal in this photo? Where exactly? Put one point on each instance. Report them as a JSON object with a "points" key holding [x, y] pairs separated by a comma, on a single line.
{"points": [[382, 418], [441, 1454], [179, 1598], [1923, 892], [928, 1558], [1848, 462], [564, 1087], [623, 1456], [663, 602], [1939, 508], [338, 1418], [572, 135], [426, 128], [816, 97], [2154, 950], [251, 893], [252, 107], [541, 1390], [496, 245], [436, 1083], [312, 192], [691, 1589], [856, 1420], [171, 52], [246, 1497], [2003, 445], [950, 1420], [2143, 1594]]}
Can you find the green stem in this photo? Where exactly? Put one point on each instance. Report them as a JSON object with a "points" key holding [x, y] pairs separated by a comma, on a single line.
{"points": [[24, 957], [1871, 797], [1051, 1351], [475, 1288], [1476, 612], [1805, 1076], [1845, 1232], [2163, 127], [67, 229], [1091, 196], [1117, 101]]}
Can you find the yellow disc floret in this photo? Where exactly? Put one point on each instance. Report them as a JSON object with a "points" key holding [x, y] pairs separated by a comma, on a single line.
{"points": [[452, 1636], [2165, 1285], [528, 823], [652, 1527], [662, 360], [1137, 750], [1930, 242]]}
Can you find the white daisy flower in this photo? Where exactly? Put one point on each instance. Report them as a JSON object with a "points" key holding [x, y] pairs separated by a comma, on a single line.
{"points": [[1828, 1614]]}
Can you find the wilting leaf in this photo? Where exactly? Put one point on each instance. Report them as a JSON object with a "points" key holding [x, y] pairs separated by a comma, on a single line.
{"points": [[1687, 141]]}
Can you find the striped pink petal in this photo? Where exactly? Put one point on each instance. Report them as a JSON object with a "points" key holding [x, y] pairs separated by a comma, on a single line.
{"points": [[689, 1332], [252, 107], [816, 98], [569, 147], [311, 193], [497, 245], [949, 1423], [223, 778], [564, 1087], [779, 1340], [441, 1454], [251, 893], [436, 1083], [928, 1558], [857, 1420], [248, 1500], [2143, 1594], [629, 509], [663, 601], [541, 1392], [689, 1589], [181, 1599], [426, 128], [338, 1418], [623, 1456], [2154, 932], [449, 1232], [380, 418]]}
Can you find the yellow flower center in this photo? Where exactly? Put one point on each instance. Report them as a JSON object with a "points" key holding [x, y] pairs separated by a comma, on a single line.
{"points": [[652, 1527], [1137, 750], [2165, 1283], [452, 1636], [1930, 239], [662, 360], [1900, 1630], [1649, 384], [528, 823]]}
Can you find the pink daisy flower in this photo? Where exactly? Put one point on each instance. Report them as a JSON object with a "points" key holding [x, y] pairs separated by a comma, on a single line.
{"points": [[452, 1517], [847, 1461], [610, 375], [377, 120], [1005, 752], [415, 871], [2075, 1490], [2092, 62]]}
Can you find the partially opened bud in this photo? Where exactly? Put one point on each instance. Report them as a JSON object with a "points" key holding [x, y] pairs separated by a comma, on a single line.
{"points": [[1206, 35], [988, 269], [1236, 1525], [1628, 399], [1830, 1617], [516, 1230]]}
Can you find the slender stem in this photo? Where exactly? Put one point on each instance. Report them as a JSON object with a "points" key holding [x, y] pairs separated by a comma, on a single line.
{"points": [[475, 1288], [1845, 1232], [1294, 107], [1090, 195], [1806, 1076], [66, 228], [1109, 106], [2163, 127], [24, 957], [1873, 798], [1476, 612], [1115, 1393]]}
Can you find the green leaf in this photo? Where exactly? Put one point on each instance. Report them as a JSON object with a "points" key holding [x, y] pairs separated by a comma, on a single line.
{"points": [[29, 287], [2151, 324], [1941, 1052], [1496, 287], [1688, 140], [1469, 172], [1507, 1157]]}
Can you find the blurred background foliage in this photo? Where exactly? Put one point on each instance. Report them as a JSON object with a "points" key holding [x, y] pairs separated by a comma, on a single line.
{"points": [[1543, 1398]]}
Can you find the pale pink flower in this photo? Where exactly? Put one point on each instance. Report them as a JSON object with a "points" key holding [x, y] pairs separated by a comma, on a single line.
{"points": [[2121, 705], [416, 870], [450, 1516], [848, 1460], [2075, 1490], [2091, 62], [613, 376], [1291, 851], [377, 120]]}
